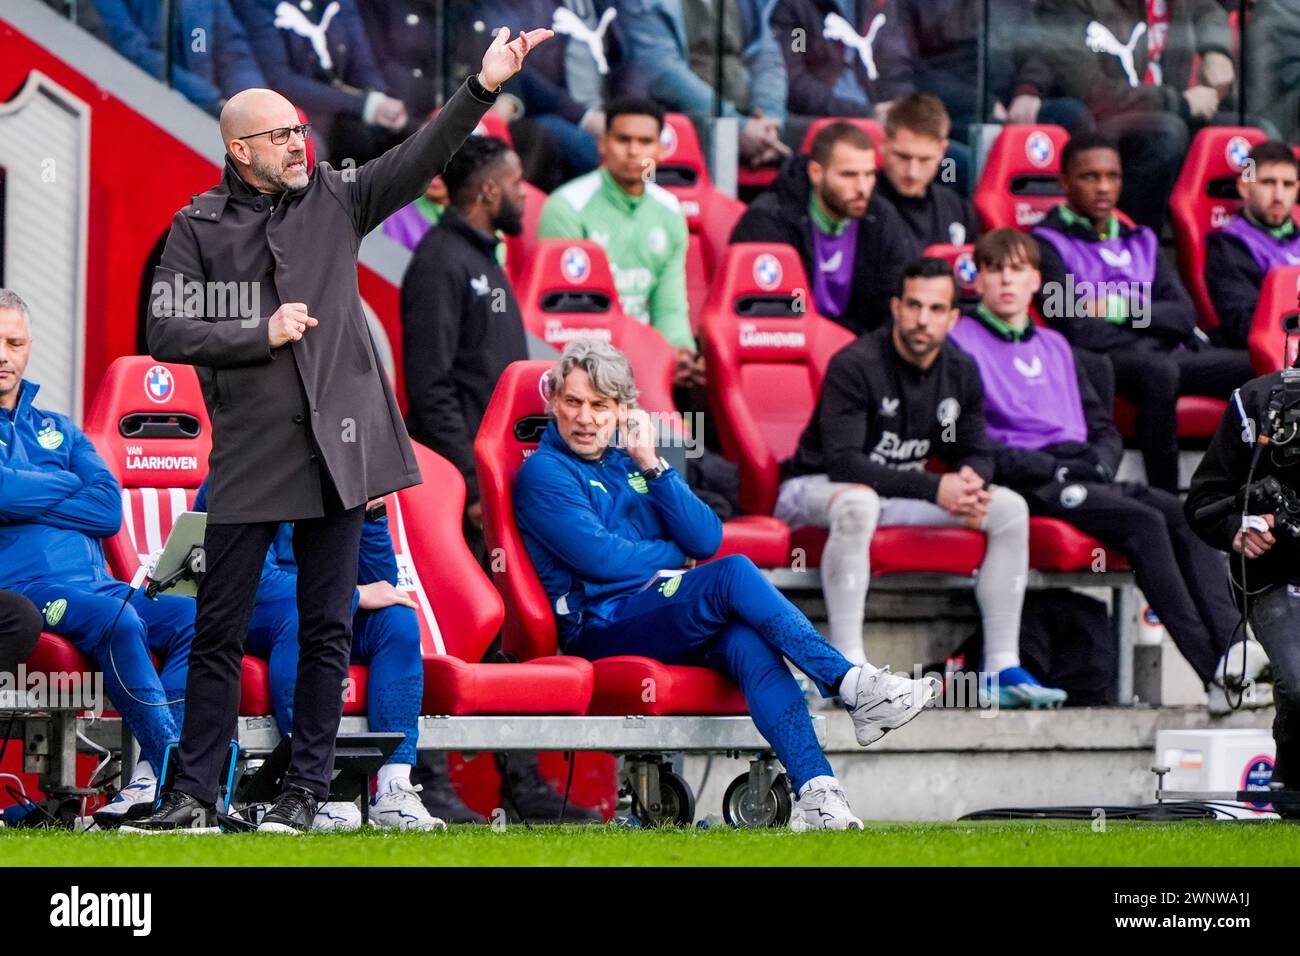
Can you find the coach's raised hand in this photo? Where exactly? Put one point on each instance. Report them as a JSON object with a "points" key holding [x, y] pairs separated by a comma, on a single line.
{"points": [[505, 57], [289, 323]]}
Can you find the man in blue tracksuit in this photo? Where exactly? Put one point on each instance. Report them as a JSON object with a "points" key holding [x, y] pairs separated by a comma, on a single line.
{"points": [[385, 637], [615, 534], [57, 499]]}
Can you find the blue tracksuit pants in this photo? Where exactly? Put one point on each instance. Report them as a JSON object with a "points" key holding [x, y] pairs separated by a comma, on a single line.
{"points": [[134, 687], [726, 615]]}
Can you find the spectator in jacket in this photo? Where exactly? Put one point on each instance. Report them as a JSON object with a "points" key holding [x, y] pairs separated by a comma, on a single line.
{"points": [[615, 534], [1130, 63], [320, 59], [211, 59], [854, 246], [1056, 445], [674, 42], [1261, 236], [1273, 38], [1108, 288], [57, 500], [579, 74], [407, 44], [842, 57]]}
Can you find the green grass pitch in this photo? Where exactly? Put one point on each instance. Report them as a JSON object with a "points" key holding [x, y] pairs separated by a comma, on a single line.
{"points": [[1051, 843]]}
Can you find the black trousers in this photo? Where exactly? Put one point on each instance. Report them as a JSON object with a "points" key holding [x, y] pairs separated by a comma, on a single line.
{"points": [[1275, 617], [1154, 379], [1183, 577], [326, 550], [20, 629]]}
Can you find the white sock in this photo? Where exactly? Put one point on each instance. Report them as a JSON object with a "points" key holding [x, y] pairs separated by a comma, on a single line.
{"points": [[143, 771], [822, 781], [846, 568], [1000, 583], [849, 685], [390, 773]]}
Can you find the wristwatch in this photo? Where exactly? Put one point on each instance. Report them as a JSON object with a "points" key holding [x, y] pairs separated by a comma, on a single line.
{"points": [[378, 512], [650, 474]]}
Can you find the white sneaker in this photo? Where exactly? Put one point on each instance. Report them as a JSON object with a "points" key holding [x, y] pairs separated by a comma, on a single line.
{"points": [[823, 806], [132, 802], [401, 808], [339, 816], [886, 701], [1248, 655], [1254, 697]]}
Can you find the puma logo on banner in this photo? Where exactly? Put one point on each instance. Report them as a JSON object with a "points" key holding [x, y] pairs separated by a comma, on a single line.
{"points": [[570, 24], [835, 27], [289, 17], [1099, 39]]}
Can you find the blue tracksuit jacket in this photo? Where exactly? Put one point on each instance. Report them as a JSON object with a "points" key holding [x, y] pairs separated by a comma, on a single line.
{"points": [[57, 498], [597, 531]]}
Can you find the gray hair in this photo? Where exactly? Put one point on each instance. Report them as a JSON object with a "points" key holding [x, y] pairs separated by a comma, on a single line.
{"points": [[10, 299], [608, 368]]}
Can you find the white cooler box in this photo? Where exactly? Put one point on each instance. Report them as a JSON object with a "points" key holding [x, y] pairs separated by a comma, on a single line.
{"points": [[1217, 760]]}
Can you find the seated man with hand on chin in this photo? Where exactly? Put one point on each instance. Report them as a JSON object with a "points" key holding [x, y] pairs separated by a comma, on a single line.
{"points": [[615, 534]]}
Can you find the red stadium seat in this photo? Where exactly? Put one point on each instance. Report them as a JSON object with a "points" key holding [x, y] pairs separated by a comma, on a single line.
{"points": [[569, 293], [1198, 416], [511, 427], [150, 425], [868, 126], [963, 266], [1056, 545], [766, 348], [1204, 198], [710, 214], [1267, 341], [460, 611], [767, 357], [1020, 182]]}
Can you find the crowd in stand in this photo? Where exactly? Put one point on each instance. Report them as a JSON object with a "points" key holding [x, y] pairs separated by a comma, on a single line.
{"points": [[1012, 392]]}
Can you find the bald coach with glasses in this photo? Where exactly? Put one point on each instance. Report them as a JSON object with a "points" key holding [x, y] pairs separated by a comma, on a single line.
{"points": [[304, 425]]}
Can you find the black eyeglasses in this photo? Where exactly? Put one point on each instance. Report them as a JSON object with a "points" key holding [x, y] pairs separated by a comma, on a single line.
{"points": [[281, 136]]}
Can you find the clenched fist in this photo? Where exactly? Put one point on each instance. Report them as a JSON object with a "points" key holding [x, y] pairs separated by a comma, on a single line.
{"points": [[289, 323]]}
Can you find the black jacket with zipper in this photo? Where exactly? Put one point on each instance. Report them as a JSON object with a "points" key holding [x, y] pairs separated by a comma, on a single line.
{"points": [[461, 327], [879, 419]]}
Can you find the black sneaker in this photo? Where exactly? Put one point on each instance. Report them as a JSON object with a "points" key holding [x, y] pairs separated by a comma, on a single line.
{"points": [[534, 799], [438, 794], [292, 812], [178, 813]]}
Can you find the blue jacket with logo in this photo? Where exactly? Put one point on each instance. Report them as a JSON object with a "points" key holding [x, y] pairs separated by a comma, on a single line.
{"points": [[57, 498], [597, 531]]}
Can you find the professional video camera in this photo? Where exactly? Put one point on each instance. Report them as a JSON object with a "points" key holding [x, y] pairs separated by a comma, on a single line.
{"points": [[1266, 496]]}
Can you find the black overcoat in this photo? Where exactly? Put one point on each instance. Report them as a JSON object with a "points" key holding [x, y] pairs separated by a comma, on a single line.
{"points": [[280, 416]]}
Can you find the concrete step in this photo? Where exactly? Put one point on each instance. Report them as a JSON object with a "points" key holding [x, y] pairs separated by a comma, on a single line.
{"points": [[947, 763]]}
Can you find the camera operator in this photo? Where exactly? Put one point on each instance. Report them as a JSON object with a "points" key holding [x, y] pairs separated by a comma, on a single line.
{"points": [[1257, 440]]}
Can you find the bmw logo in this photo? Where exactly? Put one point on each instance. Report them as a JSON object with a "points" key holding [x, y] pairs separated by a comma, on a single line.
{"points": [[1039, 149], [159, 384], [767, 271], [965, 269], [1237, 152], [668, 140], [575, 264]]}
